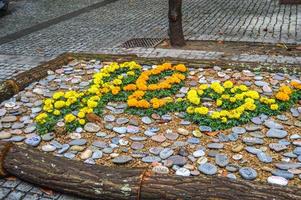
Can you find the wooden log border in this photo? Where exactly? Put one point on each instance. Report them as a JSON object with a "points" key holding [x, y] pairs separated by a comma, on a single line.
{"points": [[108, 183], [16, 84], [290, 2]]}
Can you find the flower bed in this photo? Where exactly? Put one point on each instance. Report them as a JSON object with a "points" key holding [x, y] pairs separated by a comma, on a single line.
{"points": [[172, 118]]}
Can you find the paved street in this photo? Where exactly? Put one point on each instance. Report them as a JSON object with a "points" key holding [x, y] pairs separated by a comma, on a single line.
{"points": [[36, 31]]}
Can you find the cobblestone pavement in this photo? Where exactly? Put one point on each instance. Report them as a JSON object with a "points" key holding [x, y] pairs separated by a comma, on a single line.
{"points": [[104, 28], [19, 190]]}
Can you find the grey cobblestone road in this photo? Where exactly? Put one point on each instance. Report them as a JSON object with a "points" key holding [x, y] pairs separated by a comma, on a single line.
{"points": [[104, 28]]}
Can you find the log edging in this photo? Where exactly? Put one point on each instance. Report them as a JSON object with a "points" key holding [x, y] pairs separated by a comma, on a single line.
{"points": [[100, 182]]}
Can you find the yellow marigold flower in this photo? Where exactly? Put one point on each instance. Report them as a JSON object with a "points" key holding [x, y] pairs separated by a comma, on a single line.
{"points": [[117, 82], [130, 73], [200, 92], [190, 110], [274, 106], [232, 99], [271, 101], [57, 95], [224, 113], [225, 96], [59, 104], [95, 98], [224, 119], [228, 84], [179, 99], [282, 96], [69, 118], [192, 96], [239, 97], [81, 114], [82, 121], [91, 104], [48, 101], [203, 86], [41, 118], [219, 102], [215, 115], [56, 112], [201, 110], [243, 88], [252, 94], [143, 104]]}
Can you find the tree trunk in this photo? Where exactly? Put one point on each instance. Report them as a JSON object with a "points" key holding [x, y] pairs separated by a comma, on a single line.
{"points": [[99, 182], [175, 23]]}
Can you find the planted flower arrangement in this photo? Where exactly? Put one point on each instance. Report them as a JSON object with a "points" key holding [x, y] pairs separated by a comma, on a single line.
{"points": [[167, 117]]}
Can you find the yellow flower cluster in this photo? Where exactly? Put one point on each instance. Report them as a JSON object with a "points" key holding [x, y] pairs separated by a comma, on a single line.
{"points": [[247, 96], [141, 85], [99, 85], [41, 118]]}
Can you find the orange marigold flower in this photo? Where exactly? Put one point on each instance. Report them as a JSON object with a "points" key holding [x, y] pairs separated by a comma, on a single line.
{"points": [[132, 102], [115, 90], [143, 104], [167, 66], [130, 87], [181, 68], [282, 96], [296, 84], [286, 89], [153, 87]]}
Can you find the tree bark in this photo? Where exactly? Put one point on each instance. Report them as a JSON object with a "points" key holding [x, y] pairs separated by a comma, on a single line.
{"points": [[175, 23], [99, 182]]}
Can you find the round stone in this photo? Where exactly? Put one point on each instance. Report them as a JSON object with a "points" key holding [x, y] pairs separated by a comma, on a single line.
{"points": [[183, 172], [160, 169], [122, 120], [208, 168], [197, 133], [78, 142], [277, 147], [48, 148], [198, 153], [150, 159], [283, 173], [178, 160], [97, 154], [47, 137], [146, 120], [237, 157], [278, 180], [221, 160], [202, 160], [2, 112], [205, 128], [109, 118], [158, 138], [276, 133], [86, 154], [215, 146], [238, 130], [132, 129], [29, 129], [122, 159], [193, 140], [92, 127], [137, 145], [33, 140], [5, 135], [155, 150], [272, 125], [149, 133], [166, 153], [8, 119], [247, 173], [100, 144], [263, 157], [171, 135], [182, 131], [120, 130]]}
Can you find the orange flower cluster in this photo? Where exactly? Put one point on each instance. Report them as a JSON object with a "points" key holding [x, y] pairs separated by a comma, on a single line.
{"points": [[142, 85], [156, 103], [296, 85], [284, 93]]}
